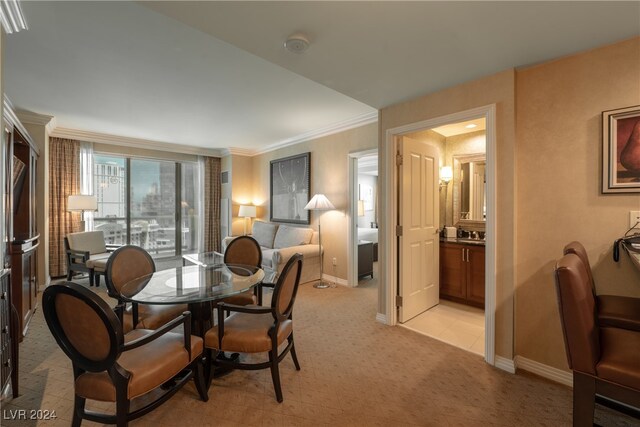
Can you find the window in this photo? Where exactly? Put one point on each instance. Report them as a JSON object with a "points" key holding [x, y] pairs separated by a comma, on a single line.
{"points": [[148, 203]]}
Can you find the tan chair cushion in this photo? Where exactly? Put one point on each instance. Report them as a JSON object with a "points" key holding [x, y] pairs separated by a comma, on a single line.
{"points": [[91, 241], [245, 298], [98, 261], [152, 316], [619, 312], [620, 358], [150, 366], [247, 333]]}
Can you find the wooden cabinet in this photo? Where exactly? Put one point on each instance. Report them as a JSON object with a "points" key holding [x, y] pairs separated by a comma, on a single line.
{"points": [[24, 286], [8, 345], [462, 273], [365, 259]]}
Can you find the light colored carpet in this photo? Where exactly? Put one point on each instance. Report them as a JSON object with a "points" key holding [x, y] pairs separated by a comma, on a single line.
{"points": [[355, 372]]}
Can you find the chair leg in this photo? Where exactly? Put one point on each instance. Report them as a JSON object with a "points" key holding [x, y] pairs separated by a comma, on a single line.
{"points": [[200, 378], [78, 410], [122, 403], [90, 277], [584, 399], [69, 274], [275, 373], [293, 352], [97, 277]]}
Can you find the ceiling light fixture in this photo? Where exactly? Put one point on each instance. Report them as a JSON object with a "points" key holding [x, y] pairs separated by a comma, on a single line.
{"points": [[471, 126], [296, 43]]}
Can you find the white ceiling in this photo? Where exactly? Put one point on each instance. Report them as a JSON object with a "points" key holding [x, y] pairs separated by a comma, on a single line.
{"points": [[461, 128], [215, 74]]}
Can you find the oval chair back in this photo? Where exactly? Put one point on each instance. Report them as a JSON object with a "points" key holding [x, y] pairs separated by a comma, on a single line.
{"points": [[125, 264], [286, 289], [84, 326], [243, 250]]}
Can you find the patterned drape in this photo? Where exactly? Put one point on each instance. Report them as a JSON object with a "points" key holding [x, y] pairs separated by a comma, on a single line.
{"points": [[64, 180], [212, 193]]}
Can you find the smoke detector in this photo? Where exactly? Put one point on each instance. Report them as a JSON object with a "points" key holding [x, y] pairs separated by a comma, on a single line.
{"points": [[296, 43]]}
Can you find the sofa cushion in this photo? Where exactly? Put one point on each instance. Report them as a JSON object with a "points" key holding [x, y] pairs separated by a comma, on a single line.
{"points": [[292, 236], [264, 233], [91, 241], [267, 256]]}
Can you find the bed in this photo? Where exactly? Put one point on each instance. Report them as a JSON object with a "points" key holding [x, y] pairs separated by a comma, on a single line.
{"points": [[370, 235]]}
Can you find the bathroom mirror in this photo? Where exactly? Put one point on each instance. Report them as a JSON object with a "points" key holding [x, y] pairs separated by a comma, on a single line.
{"points": [[469, 188]]}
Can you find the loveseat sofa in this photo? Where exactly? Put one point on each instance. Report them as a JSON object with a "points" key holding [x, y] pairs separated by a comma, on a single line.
{"points": [[279, 242]]}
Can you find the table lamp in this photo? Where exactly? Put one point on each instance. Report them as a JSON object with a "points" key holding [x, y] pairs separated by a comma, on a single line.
{"points": [[81, 203], [247, 211], [320, 203]]}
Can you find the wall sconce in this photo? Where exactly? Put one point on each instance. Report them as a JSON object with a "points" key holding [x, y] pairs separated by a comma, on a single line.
{"points": [[446, 175]]}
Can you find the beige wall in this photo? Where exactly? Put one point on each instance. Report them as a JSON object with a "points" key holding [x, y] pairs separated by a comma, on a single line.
{"points": [[498, 89], [559, 106], [242, 177], [329, 175]]}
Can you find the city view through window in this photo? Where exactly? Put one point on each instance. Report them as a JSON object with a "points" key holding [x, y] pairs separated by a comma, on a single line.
{"points": [[155, 221]]}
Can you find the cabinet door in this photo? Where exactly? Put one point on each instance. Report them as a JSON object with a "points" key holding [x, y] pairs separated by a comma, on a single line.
{"points": [[452, 271], [475, 274]]}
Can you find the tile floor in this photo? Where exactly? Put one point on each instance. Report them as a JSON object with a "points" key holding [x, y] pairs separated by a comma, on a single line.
{"points": [[456, 324]]}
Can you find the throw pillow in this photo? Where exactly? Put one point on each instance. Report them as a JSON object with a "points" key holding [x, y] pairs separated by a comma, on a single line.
{"points": [[292, 236], [264, 233]]}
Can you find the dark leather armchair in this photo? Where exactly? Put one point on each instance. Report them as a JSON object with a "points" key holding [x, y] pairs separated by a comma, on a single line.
{"points": [[605, 361], [111, 366], [244, 250], [253, 329], [128, 263], [613, 310]]}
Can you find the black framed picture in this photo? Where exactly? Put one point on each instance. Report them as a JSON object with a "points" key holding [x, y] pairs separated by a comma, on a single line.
{"points": [[289, 189]]}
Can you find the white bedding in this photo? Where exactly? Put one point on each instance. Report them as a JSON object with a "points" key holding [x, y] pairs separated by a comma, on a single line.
{"points": [[369, 234]]}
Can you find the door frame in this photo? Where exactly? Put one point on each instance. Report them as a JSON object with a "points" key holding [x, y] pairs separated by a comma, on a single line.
{"points": [[352, 227], [488, 112]]}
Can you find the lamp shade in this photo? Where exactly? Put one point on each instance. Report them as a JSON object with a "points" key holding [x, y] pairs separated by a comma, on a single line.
{"points": [[360, 207], [247, 211], [319, 203], [446, 173], [82, 202]]}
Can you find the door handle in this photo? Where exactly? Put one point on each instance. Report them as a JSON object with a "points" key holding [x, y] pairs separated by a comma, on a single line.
{"points": [[463, 249]]}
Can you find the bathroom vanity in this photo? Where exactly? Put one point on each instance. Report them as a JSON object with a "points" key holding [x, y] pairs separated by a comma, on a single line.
{"points": [[462, 272]]}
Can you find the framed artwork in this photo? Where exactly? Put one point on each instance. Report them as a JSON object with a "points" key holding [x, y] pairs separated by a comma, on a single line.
{"points": [[289, 189], [366, 195], [621, 150]]}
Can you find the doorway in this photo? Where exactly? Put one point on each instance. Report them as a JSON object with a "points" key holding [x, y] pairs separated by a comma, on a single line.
{"points": [[457, 314], [391, 212]]}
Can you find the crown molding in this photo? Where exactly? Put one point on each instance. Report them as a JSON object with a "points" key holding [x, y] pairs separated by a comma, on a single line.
{"points": [[125, 141], [29, 117], [355, 122], [13, 122], [237, 152]]}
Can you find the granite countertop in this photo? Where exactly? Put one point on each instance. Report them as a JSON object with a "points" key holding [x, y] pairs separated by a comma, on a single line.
{"points": [[463, 241]]}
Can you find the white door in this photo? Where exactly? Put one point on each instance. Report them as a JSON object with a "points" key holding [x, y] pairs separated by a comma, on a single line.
{"points": [[418, 214]]}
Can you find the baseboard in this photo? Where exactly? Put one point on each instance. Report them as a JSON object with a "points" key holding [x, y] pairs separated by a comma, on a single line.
{"points": [[545, 371], [336, 280], [505, 364], [382, 318]]}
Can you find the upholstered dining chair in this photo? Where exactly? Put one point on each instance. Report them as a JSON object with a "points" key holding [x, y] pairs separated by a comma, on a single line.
{"points": [[111, 366], [253, 329], [613, 310], [244, 250], [604, 360], [125, 264]]}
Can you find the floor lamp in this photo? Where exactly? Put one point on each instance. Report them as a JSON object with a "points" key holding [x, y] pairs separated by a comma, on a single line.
{"points": [[320, 203], [81, 203]]}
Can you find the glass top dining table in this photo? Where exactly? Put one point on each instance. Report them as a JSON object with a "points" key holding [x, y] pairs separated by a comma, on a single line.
{"points": [[199, 286]]}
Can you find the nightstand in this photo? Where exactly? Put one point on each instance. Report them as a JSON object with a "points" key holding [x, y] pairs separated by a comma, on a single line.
{"points": [[365, 259]]}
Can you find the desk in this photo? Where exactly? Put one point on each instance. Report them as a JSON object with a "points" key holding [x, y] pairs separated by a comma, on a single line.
{"points": [[196, 285], [635, 256]]}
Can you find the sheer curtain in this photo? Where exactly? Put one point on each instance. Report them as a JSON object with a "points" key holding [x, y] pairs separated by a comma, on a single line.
{"points": [[200, 193], [212, 193], [64, 180], [86, 177]]}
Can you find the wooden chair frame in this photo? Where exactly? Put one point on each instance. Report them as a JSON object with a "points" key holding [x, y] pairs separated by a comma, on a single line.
{"points": [[257, 291], [279, 317], [77, 261], [125, 410]]}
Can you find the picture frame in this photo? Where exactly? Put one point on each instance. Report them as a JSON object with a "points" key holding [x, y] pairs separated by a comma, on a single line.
{"points": [[289, 189], [621, 150]]}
